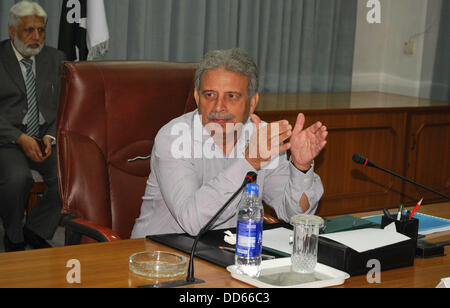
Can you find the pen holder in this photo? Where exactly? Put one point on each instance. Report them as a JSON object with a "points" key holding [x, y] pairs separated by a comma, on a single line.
{"points": [[404, 226]]}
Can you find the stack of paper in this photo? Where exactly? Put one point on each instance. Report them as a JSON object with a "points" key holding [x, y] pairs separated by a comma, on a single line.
{"points": [[360, 240], [366, 239], [278, 240]]}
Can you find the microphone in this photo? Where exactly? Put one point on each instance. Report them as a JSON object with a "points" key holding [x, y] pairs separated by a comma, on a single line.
{"points": [[190, 279], [359, 159]]}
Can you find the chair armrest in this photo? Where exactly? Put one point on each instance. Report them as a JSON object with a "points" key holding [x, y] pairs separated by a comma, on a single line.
{"points": [[84, 227]]}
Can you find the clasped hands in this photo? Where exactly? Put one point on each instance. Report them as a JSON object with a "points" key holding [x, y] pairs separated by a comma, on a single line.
{"points": [[276, 137], [32, 148]]}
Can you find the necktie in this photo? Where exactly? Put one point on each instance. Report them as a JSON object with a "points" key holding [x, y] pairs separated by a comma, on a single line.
{"points": [[33, 111]]}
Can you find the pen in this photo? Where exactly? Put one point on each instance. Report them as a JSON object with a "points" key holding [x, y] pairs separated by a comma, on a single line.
{"points": [[415, 209], [234, 250], [399, 214], [387, 214]]}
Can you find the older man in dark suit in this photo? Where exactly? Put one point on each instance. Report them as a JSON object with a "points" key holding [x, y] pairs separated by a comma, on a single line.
{"points": [[29, 95]]}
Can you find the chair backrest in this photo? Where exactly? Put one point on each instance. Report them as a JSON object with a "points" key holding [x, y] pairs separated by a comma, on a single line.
{"points": [[110, 112]]}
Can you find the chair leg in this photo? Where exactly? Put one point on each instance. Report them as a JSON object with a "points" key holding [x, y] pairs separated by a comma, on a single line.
{"points": [[36, 192], [32, 200]]}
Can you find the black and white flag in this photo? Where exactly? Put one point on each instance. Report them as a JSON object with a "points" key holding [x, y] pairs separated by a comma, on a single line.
{"points": [[83, 30]]}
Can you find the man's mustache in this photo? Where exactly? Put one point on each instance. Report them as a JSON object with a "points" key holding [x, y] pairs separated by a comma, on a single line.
{"points": [[220, 116], [34, 43]]}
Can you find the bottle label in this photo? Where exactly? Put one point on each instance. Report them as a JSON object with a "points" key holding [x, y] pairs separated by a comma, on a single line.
{"points": [[249, 238]]}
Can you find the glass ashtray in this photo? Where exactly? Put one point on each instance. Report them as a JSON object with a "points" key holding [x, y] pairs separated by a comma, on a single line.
{"points": [[158, 264]]}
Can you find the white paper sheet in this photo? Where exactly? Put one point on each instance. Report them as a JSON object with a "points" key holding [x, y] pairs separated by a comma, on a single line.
{"points": [[366, 239], [444, 284], [278, 239]]}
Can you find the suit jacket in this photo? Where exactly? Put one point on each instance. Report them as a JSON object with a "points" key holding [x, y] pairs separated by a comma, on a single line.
{"points": [[13, 94]]}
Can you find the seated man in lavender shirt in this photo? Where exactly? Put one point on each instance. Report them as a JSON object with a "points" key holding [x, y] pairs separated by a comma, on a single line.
{"points": [[201, 158]]}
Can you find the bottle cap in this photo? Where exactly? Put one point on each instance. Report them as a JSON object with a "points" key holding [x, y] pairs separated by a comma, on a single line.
{"points": [[252, 188]]}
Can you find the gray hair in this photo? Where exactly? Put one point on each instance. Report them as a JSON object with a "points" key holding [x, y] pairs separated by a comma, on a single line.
{"points": [[25, 8], [233, 60]]}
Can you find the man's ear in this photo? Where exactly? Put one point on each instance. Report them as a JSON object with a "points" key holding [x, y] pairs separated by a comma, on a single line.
{"points": [[254, 102], [12, 33], [196, 97]]}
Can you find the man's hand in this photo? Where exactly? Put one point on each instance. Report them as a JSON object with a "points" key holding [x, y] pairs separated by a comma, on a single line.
{"points": [[31, 147], [307, 143], [267, 142], [48, 146]]}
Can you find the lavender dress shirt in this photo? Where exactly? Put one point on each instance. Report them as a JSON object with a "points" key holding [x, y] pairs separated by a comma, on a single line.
{"points": [[191, 179]]}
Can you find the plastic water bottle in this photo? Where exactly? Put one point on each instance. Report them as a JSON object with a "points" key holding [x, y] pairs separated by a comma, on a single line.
{"points": [[249, 233]]}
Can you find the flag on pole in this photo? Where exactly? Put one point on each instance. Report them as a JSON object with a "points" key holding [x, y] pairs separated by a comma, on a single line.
{"points": [[83, 30], [97, 29]]}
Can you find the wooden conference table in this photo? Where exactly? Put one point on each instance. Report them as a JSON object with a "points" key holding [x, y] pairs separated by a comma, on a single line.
{"points": [[106, 265]]}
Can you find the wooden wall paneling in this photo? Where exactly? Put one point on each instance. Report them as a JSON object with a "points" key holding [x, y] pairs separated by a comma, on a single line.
{"points": [[378, 134], [428, 153]]}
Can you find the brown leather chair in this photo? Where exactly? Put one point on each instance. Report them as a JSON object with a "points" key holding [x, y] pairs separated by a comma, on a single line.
{"points": [[108, 117]]}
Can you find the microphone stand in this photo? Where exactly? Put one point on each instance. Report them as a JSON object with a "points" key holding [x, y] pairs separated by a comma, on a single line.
{"points": [[412, 182], [190, 279], [360, 160]]}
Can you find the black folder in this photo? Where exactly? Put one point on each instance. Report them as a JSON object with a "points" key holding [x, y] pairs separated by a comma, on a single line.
{"points": [[207, 248], [208, 245]]}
